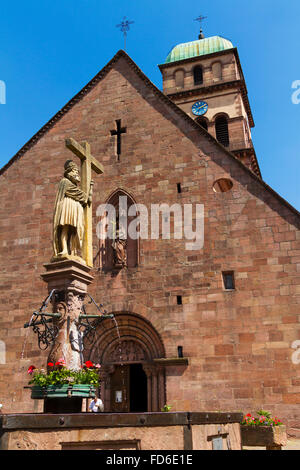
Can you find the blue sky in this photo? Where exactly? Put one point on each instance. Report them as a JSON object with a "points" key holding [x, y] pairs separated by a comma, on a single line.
{"points": [[51, 49]]}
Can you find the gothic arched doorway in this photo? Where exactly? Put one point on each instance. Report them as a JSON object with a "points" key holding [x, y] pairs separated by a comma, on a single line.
{"points": [[132, 380]]}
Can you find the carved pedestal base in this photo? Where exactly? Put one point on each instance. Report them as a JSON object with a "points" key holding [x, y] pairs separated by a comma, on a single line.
{"points": [[70, 280], [64, 257]]}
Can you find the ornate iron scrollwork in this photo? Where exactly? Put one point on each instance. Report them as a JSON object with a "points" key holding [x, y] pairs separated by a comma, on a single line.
{"points": [[43, 324], [88, 323]]}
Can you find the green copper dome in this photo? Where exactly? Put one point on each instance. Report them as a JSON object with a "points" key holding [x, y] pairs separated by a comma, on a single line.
{"points": [[197, 48]]}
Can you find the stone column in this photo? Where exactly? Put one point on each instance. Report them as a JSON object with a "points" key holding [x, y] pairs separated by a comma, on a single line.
{"points": [[70, 279], [148, 371], [161, 387], [154, 390]]}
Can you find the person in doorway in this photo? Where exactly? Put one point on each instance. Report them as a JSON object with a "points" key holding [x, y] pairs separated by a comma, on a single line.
{"points": [[96, 405]]}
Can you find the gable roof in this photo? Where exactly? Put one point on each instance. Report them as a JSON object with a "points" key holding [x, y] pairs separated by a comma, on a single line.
{"points": [[94, 81]]}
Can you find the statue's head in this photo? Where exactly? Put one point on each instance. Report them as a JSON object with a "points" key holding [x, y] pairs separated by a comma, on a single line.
{"points": [[72, 172]]}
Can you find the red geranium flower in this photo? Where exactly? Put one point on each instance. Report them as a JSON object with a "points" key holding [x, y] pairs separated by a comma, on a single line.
{"points": [[50, 364], [249, 414], [60, 362], [31, 369], [89, 364]]}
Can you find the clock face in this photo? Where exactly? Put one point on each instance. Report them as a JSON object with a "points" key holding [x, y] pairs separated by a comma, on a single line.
{"points": [[199, 108]]}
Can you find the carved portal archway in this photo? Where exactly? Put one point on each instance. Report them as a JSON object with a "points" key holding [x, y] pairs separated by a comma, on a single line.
{"points": [[128, 341], [127, 351]]}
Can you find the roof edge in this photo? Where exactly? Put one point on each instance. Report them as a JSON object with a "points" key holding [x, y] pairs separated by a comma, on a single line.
{"points": [[204, 56]]}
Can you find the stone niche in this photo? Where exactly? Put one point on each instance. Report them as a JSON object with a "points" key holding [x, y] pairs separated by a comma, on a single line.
{"points": [[134, 431]]}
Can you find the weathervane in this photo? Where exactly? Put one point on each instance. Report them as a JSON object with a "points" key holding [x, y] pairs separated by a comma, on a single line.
{"points": [[201, 19], [124, 27]]}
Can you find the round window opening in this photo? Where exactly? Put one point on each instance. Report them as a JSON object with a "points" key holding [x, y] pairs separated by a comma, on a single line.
{"points": [[222, 185]]}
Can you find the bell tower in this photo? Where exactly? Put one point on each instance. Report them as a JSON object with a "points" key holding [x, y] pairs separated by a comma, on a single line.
{"points": [[205, 79]]}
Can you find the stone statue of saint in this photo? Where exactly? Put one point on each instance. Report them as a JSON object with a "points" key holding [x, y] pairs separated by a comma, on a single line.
{"points": [[68, 223], [119, 246]]}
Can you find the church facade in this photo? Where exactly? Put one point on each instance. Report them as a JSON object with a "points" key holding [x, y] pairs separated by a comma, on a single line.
{"points": [[212, 328]]}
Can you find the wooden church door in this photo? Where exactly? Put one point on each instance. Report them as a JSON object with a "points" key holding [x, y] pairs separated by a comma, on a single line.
{"points": [[131, 382], [119, 395], [129, 389]]}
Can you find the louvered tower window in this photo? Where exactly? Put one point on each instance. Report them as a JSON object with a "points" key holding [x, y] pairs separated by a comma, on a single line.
{"points": [[198, 75], [222, 134]]}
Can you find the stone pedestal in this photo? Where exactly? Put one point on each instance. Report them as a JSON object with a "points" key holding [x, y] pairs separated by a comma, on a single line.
{"points": [[70, 280]]}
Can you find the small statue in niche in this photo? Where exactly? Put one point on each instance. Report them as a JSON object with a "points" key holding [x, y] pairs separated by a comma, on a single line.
{"points": [[119, 246], [68, 222]]}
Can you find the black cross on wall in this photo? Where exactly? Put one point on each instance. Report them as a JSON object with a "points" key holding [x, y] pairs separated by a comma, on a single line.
{"points": [[118, 132]]}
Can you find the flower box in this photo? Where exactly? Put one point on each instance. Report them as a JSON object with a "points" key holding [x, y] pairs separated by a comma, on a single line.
{"points": [[63, 391], [264, 436]]}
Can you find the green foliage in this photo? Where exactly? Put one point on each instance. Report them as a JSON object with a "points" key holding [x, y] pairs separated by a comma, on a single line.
{"points": [[267, 414], [264, 419], [166, 408]]}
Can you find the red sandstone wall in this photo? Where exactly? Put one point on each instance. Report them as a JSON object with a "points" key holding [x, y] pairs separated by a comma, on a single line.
{"points": [[238, 343]]}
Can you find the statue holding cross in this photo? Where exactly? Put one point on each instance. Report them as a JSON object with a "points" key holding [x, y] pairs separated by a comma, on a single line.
{"points": [[72, 223]]}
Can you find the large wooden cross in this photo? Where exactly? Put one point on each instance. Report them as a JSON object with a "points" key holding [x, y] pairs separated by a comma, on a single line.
{"points": [[88, 163]]}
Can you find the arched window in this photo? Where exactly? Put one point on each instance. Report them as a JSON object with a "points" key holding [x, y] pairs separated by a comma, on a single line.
{"points": [[217, 71], [198, 75], [119, 250], [179, 78], [222, 134], [202, 122]]}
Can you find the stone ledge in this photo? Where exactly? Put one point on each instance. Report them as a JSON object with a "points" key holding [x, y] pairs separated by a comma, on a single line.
{"points": [[12, 422], [172, 361]]}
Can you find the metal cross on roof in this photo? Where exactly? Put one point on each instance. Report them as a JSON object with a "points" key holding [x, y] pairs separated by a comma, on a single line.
{"points": [[124, 27], [201, 19]]}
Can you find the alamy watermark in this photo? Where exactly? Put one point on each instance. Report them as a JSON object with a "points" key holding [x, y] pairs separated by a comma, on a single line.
{"points": [[296, 94], [296, 354], [137, 222], [2, 92], [2, 352]]}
